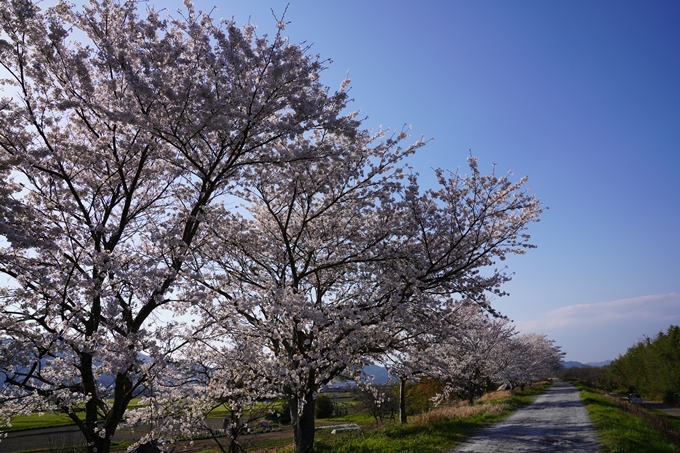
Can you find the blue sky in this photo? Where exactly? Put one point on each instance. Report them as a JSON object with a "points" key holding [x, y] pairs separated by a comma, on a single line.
{"points": [[581, 96]]}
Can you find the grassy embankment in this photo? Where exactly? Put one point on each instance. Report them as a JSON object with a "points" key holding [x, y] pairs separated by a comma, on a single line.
{"points": [[432, 432], [627, 428]]}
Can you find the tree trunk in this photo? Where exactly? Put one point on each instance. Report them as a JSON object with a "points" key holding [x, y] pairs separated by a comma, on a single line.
{"points": [[303, 422], [98, 436], [100, 445], [402, 401]]}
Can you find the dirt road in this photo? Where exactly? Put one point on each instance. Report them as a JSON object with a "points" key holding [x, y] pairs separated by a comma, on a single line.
{"points": [[555, 422]]}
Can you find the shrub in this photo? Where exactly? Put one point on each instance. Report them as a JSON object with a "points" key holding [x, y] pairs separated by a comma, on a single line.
{"points": [[419, 395], [324, 406], [281, 415]]}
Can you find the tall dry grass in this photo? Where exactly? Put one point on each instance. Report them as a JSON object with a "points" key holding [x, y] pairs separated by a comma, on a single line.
{"points": [[461, 409], [445, 413], [493, 396]]}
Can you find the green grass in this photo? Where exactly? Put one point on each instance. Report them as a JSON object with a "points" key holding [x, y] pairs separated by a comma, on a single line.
{"points": [[360, 418], [426, 438], [278, 445], [48, 420], [404, 438], [674, 421], [622, 431]]}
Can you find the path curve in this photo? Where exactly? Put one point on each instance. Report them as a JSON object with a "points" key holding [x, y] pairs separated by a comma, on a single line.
{"points": [[556, 422]]}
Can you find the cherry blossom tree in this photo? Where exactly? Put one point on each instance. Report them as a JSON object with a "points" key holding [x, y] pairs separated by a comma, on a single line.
{"points": [[328, 264], [404, 367], [483, 350], [213, 376], [531, 358], [456, 230], [472, 358], [295, 273], [410, 358], [377, 399], [118, 134]]}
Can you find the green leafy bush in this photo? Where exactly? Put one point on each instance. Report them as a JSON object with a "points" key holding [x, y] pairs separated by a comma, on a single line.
{"points": [[324, 406]]}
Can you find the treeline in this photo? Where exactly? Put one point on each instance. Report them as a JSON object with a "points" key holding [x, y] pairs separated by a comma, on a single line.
{"points": [[651, 367]]}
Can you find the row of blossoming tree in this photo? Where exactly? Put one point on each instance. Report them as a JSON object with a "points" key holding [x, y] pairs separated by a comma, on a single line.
{"points": [[158, 169], [470, 352]]}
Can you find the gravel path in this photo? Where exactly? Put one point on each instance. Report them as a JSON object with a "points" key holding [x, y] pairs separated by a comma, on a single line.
{"points": [[555, 422]]}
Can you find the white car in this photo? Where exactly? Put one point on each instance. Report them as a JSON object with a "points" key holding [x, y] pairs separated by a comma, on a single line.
{"points": [[634, 398]]}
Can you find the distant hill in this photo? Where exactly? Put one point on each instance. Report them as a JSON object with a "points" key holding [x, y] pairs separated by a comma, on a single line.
{"points": [[572, 364], [596, 364], [379, 373]]}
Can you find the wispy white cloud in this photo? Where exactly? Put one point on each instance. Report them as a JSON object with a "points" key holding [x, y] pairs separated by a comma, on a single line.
{"points": [[664, 308]]}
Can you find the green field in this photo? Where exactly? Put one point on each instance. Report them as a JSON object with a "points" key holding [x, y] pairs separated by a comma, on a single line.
{"points": [[48, 420]]}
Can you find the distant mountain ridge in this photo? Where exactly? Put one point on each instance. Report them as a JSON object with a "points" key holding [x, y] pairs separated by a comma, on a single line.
{"points": [[573, 364], [379, 373]]}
